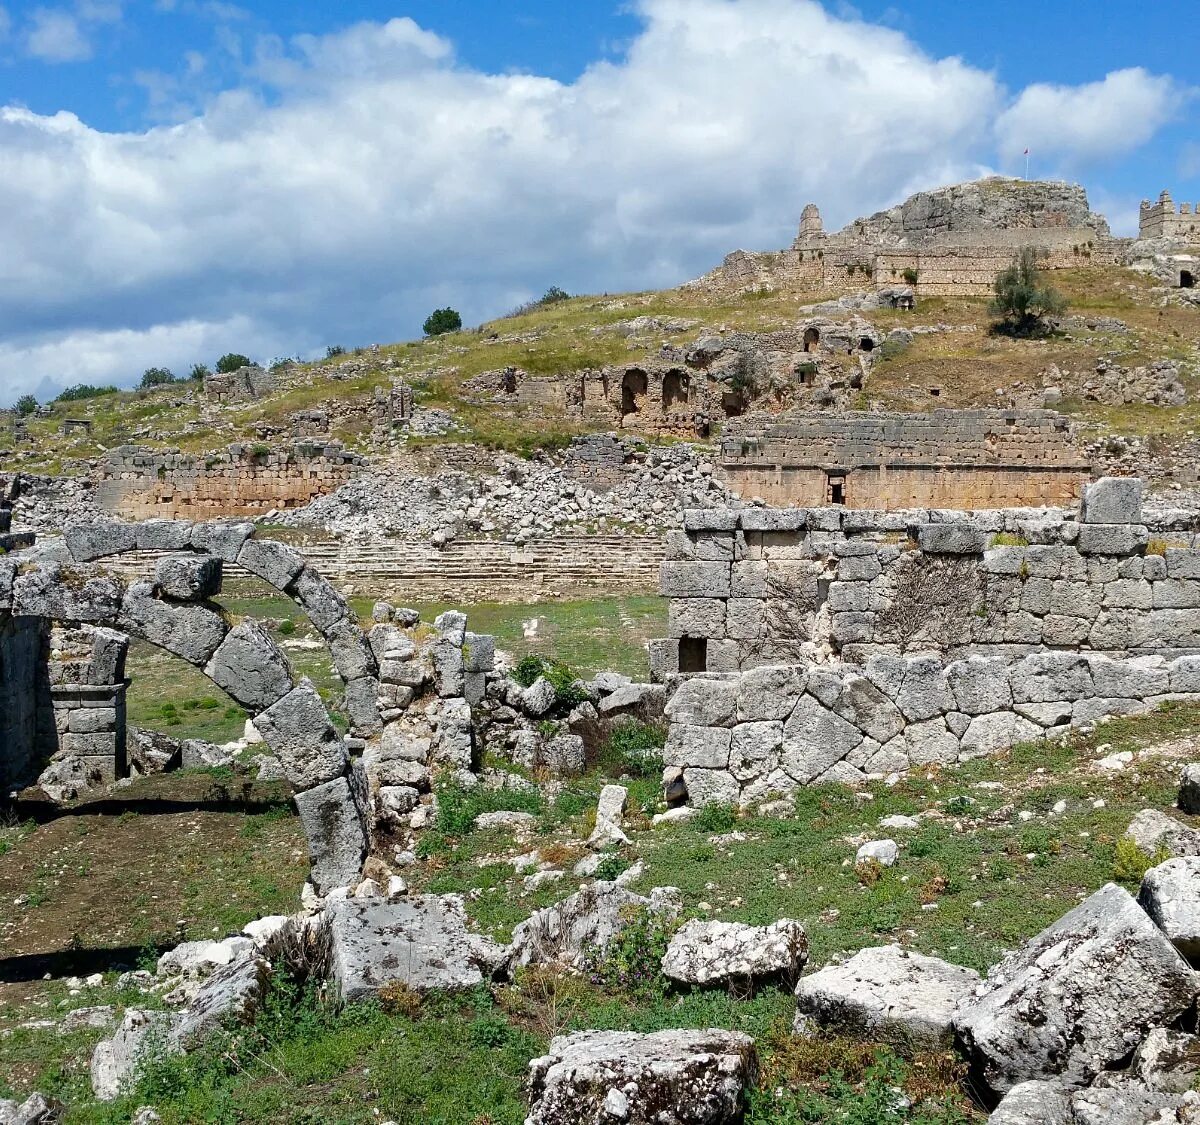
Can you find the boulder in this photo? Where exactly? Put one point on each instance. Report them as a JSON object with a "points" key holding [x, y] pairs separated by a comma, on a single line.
{"points": [[202, 958], [188, 578], [1077, 998], [609, 812], [422, 942], [1168, 1060], [231, 995], [887, 992], [1154, 831], [665, 1078], [1170, 894], [883, 852], [714, 952], [37, 1109], [539, 697], [1189, 788], [1035, 1103], [115, 1061]]}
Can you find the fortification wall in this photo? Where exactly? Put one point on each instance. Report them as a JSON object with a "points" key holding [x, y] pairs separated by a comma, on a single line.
{"points": [[245, 480], [945, 459], [759, 585], [1163, 219]]}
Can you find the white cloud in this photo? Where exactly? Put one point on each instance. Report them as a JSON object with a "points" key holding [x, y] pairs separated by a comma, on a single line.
{"points": [[55, 36], [360, 179], [1096, 121]]}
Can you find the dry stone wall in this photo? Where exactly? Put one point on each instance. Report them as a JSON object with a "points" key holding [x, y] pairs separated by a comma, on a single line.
{"points": [[244, 480]]}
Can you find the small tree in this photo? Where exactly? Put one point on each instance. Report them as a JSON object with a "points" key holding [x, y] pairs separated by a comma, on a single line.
{"points": [[334, 350], [231, 361], [156, 377], [441, 321], [554, 294], [1024, 298], [26, 404], [199, 371]]}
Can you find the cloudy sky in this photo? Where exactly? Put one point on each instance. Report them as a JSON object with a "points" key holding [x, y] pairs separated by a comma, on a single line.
{"points": [[181, 178]]}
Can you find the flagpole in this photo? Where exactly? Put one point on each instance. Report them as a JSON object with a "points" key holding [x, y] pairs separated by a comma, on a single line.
{"points": [[1027, 163]]}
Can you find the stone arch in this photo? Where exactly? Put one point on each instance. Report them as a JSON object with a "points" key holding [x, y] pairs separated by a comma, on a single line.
{"points": [[1187, 279], [634, 387], [675, 388], [175, 613], [812, 339]]}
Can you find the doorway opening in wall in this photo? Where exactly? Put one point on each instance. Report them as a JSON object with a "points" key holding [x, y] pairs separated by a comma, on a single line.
{"points": [[1187, 279], [811, 339], [675, 389], [633, 390], [835, 490], [693, 654], [866, 344]]}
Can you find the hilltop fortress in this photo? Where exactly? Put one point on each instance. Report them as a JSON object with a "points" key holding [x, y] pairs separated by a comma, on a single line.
{"points": [[954, 240]]}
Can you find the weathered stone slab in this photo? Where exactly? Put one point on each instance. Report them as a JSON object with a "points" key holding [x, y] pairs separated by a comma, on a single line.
{"points": [[1077, 998], [221, 538], [715, 952], [192, 632], [318, 598], [770, 692], [695, 580], [1112, 538], [422, 942], [163, 535], [300, 735], [814, 738], [1170, 894], [887, 992], [337, 841], [65, 594], [702, 702], [1112, 500], [951, 539], [683, 1077], [90, 539], [188, 578], [249, 666], [275, 563]]}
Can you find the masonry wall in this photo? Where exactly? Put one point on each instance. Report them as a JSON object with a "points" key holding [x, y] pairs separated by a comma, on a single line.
{"points": [[20, 660], [760, 586], [246, 480]]}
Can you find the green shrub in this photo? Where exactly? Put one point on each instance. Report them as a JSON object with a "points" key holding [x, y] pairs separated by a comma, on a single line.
{"points": [[231, 361], [716, 816], [610, 866], [1130, 863], [458, 807], [84, 391], [634, 748], [26, 404], [1009, 539], [199, 371], [334, 350], [441, 321], [287, 627], [910, 275], [632, 962], [1023, 298], [156, 377], [567, 692]]}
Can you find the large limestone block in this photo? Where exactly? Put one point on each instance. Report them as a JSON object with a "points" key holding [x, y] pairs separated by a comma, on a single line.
{"points": [[351, 654], [1077, 998], [1050, 677], [90, 539], [1135, 678], [951, 539], [62, 593], [702, 747], [980, 684], [1112, 500], [163, 535], [769, 692], [318, 598], [695, 580], [696, 617], [711, 787], [231, 995], [1112, 538], [1189, 788], [887, 992], [1035, 1103], [814, 738], [1170, 894], [702, 702], [275, 563], [422, 942], [188, 578], [860, 702], [754, 749], [337, 841], [714, 952], [221, 538], [583, 922], [925, 691], [192, 632], [665, 1078], [300, 735], [1153, 831], [249, 666], [115, 1061]]}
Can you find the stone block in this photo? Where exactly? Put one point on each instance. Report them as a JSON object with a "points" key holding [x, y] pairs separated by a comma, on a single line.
{"points": [[1047, 714], [1005, 561], [1152, 830], [1176, 593], [188, 578], [701, 702], [773, 519], [703, 747], [664, 658], [8, 572], [1133, 678], [696, 617], [298, 731], [318, 598], [980, 684], [746, 619], [337, 841], [987, 734], [193, 632], [479, 652], [1064, 632], [164, 535], [815, 739], [710, 519], [711, 787], [695, 580], [931, 742], [109, 649], [1183, 563], [1189, 788], [1112, 500], [711, 952], [275, 563], [1112, 538], [925, 691], [92, 720], [771, 692], [749, 579], [859, 568], [350, 651], [754, 749], [1129, 593], [1185, 675], [887, 993], [89, 539], [1074, 1000], [1170, 894], [850, 597], [361, 701], [221, 538], [951, 539], [1048, 677], [62, 593]]}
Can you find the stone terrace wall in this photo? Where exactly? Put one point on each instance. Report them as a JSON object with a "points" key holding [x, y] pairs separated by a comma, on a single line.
{"points": [[760, 735], [244, 480], [761, 586], [952, 459]]}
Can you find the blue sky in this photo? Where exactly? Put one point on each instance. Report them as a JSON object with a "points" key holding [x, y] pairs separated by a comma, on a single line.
{"points": [[184, 177]]}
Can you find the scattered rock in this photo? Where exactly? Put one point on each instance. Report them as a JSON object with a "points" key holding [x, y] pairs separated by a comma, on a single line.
{"points": [[716, 952]]}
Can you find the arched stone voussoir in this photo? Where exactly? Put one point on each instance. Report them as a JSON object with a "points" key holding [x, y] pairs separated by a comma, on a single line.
{"points": [[192, 631], [316, 595], [337, 838], [225, 540], [250, 668], [275, 563], [88, 539], [59, 592], [299, 733]]}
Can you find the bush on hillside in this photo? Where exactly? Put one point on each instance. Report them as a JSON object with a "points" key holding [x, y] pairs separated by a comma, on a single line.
{"points": [[199, 371], [441, 321], [1024, 298], [156, 377], [231, 361], [26, 404], [84, 390], [567, 693]]}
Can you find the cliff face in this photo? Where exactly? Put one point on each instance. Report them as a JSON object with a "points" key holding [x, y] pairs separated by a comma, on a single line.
{"points": [[977, 210]]}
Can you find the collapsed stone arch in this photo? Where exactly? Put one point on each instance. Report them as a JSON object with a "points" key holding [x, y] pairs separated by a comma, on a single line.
{"points": [[175, 613]]}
